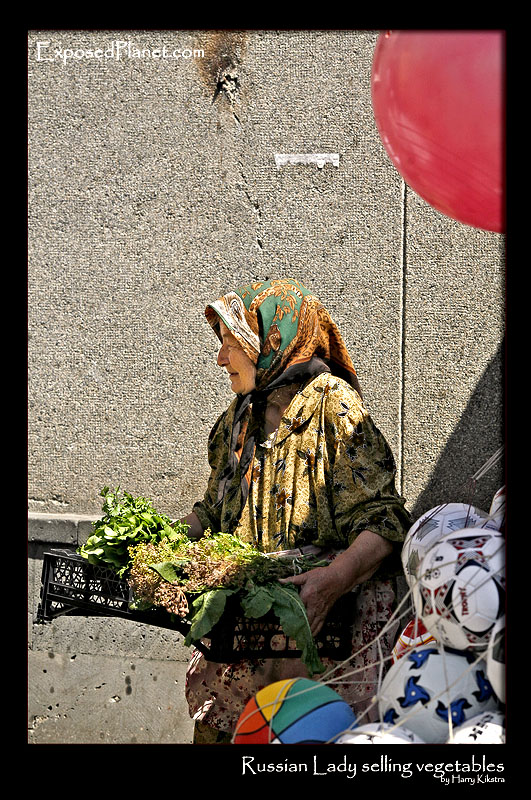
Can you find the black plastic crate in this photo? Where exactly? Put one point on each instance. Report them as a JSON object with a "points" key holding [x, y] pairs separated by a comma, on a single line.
{"points": [[71, 585], [236, 636]]}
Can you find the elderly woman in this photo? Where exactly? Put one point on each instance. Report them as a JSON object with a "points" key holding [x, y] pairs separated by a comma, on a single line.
{"points": [[295, 461]]}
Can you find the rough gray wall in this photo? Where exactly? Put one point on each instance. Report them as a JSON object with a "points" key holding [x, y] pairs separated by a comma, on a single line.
{"points": [[150, 194], [153, 189]]}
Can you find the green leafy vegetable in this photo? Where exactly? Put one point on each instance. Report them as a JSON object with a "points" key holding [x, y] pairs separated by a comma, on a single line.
{"points": [[217, 566], [193, 578], [208, 608], [288, 607], [291, 612], [167, 570], [257, 601], [127, 521]]}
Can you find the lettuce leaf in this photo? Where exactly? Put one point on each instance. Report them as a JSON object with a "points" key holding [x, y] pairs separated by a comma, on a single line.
{"points": [[257, 600], [208, 609], [291, 612], [169, 570]]}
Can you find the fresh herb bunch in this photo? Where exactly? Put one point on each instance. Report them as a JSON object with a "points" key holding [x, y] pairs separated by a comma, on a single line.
{"points": [[126, 521], [148, 587], [215, 560], [213, 568]]}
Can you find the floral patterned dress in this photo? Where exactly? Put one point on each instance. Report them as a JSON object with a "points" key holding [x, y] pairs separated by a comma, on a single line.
{"points": [[324, 476]]}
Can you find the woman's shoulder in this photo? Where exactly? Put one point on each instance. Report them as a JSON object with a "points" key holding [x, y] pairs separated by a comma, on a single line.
{"points": [[335, 391], [337, 403]]}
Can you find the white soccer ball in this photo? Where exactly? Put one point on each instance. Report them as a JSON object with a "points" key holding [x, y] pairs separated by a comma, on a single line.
{"points": [[497, 508], [487, 728], [435, 523], [495, 658], [379, 733], [413, 635], [460, 590], [431, 689]]}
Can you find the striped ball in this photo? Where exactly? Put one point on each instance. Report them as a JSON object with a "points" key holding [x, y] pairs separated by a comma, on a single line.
{"points": [[294, 711]]}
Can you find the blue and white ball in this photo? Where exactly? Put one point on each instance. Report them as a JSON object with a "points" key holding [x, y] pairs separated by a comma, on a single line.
{"points": [[487, 728], [379, 733], [432, 526], [432, 690], [460, 589]]}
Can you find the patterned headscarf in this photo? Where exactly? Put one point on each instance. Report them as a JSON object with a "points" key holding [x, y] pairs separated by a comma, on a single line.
{"points": [[290, 337]]}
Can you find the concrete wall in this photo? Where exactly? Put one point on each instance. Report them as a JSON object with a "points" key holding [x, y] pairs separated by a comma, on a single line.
{"points": [[153, 188]]}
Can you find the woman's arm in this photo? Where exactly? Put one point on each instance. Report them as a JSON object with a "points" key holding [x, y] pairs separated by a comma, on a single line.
{"points": [[321, 587], [196, 529]]}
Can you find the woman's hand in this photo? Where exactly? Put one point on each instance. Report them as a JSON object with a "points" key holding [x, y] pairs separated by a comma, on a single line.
{"points": [[322, 586], [319, 591]]}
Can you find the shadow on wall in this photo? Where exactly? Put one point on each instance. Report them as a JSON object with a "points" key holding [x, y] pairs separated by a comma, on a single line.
{"points": [[478, 435]]}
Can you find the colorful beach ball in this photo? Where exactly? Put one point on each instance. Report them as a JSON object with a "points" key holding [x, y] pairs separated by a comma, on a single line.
{"points": [[294, 711]]}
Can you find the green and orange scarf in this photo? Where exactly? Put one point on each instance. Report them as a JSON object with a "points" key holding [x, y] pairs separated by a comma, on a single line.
{"points": [[290, 337]]}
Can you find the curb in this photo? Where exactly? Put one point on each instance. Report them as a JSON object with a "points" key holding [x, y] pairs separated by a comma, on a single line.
{"points": [[59, 528]]}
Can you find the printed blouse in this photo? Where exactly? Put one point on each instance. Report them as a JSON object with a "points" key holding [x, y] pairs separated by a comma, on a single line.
{"points": [[326, 474]]}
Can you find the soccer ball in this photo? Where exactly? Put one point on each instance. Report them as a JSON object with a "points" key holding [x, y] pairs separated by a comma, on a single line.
{"points": [[487, 728], [413, 635], [495, 658], [460, 589], [380, 733], [431, 526], [430, 689], [497, 508]]}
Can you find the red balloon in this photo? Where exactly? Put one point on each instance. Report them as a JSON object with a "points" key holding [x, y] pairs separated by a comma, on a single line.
{"points": [[438, 101]]}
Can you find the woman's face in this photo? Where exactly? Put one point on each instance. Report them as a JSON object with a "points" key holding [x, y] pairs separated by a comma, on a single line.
{"points": [[242, 371]]}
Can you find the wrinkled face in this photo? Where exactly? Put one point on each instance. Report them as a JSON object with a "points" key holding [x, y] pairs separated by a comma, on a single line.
{"points": [[242, 371]]}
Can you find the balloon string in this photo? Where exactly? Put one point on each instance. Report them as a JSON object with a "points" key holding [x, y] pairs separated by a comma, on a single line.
{"points": [[399, 723], [380, 663], [328, 679], [382, 660], [488, 464]]}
